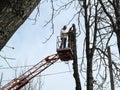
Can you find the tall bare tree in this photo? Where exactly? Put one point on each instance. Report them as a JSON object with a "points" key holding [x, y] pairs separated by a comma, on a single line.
{"points": [[112, 9], [89, 39], [101, 21], [75, 62]]}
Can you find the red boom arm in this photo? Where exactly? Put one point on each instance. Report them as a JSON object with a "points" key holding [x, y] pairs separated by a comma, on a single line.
{"points": [[22, 80]]}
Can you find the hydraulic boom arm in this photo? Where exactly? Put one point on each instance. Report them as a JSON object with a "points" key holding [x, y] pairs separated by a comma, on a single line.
{"points": [[22, 80]]}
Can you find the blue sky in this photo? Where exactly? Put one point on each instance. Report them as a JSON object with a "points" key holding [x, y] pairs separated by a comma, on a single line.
{"points": [[29, 49]]}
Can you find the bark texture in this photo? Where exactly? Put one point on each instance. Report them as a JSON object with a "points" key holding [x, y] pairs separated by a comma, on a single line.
{"points": [[75, 63], [13, 13]]}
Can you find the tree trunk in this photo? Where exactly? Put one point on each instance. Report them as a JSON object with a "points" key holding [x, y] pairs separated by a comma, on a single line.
{"points": [[118, 24], [13, 13], [110, 69], [89, 53], [75, 63]]}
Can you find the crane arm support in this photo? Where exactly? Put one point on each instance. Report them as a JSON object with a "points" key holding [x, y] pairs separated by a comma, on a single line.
{"points": [[23, 79]]}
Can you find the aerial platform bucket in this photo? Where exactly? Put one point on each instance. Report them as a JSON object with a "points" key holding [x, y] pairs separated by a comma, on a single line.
{"points": [[65, 54]]}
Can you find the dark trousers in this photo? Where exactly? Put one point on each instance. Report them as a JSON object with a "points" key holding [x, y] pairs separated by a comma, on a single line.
{"points": [[63, 43]]}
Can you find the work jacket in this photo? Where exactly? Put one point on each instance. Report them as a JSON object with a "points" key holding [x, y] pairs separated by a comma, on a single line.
{"points": [[63, 33]]}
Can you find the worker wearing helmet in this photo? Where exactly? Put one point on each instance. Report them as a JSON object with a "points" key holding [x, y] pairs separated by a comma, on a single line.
{"points": [[63, 37]]}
